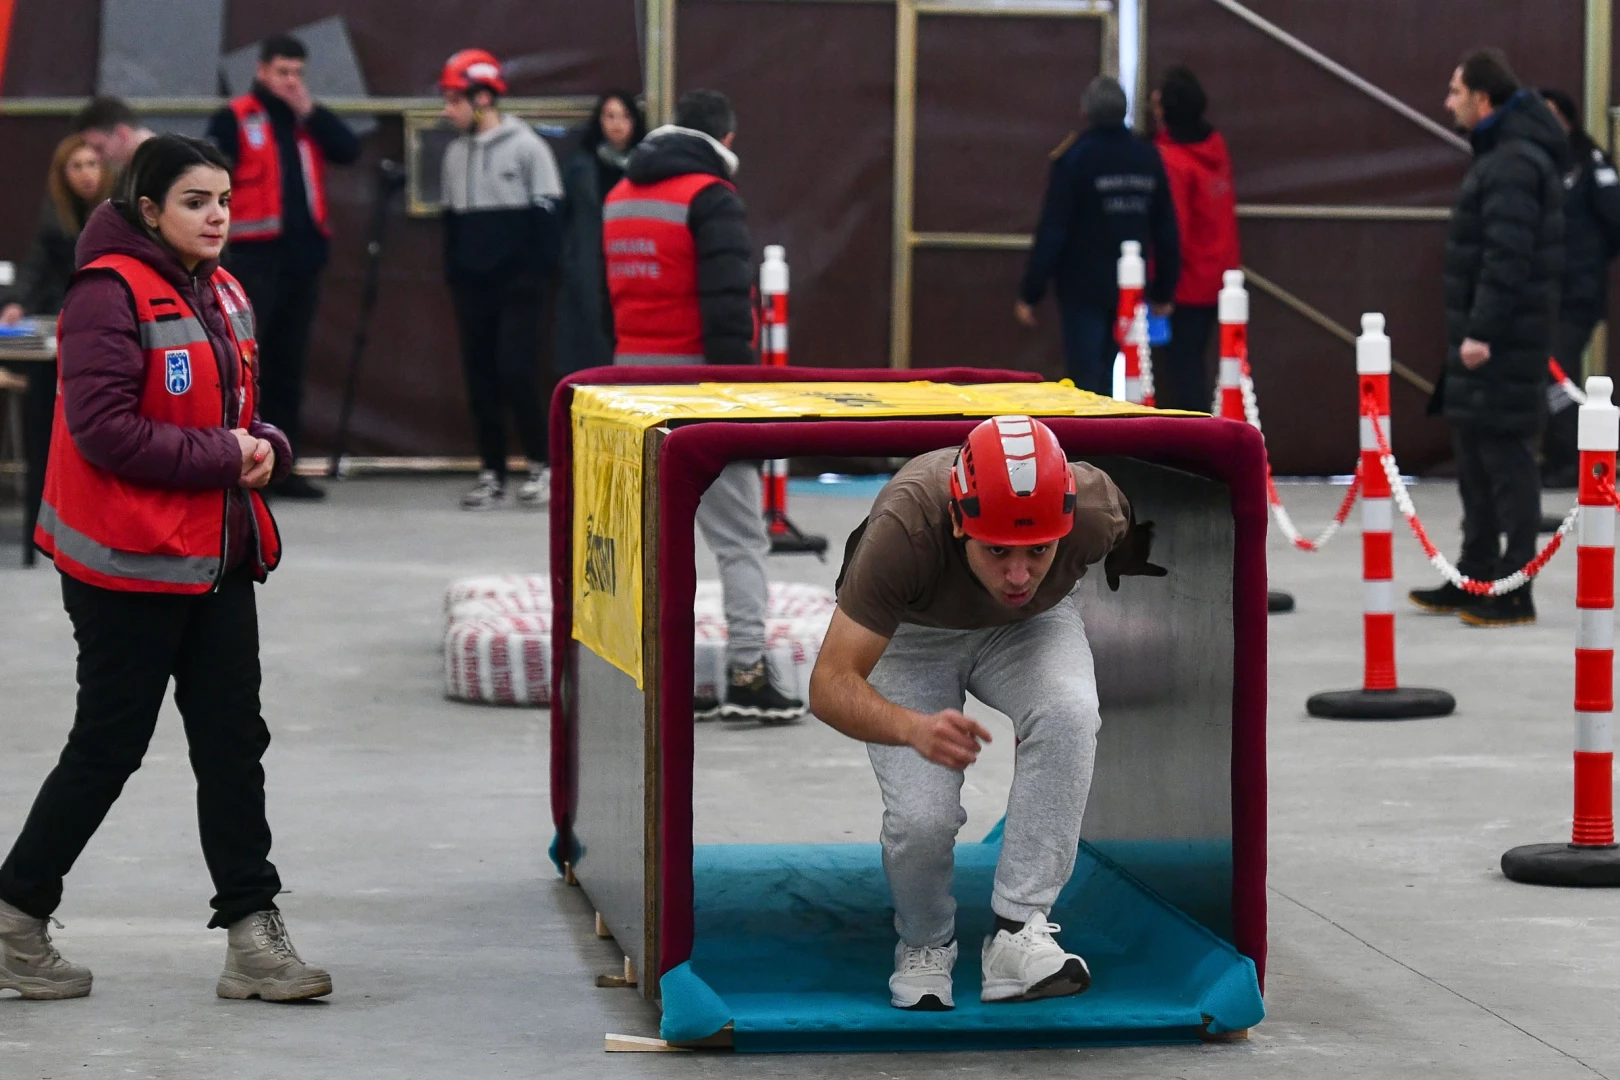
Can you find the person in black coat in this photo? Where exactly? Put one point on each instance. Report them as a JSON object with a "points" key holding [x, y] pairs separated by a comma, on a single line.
{"points": [[1504, 260], [1106, 187], [1591, 239], [584, 316], [78, 182]]}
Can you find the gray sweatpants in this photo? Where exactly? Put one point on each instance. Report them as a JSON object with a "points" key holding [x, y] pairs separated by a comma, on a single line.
{"points": [[732, 519], [1039, 673]]}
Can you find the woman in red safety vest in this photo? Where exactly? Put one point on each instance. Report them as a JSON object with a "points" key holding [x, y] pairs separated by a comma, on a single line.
{"points": [[153, 517]]}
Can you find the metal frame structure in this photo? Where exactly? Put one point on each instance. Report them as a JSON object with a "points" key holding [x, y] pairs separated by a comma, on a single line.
{"points": [[906, 240], [418, 122]]}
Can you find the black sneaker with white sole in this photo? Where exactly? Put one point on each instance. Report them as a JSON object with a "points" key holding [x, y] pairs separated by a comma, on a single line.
{"points": [[752, 693]]}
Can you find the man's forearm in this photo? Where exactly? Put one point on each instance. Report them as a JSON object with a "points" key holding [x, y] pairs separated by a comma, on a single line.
{"points": [[847, 703]]}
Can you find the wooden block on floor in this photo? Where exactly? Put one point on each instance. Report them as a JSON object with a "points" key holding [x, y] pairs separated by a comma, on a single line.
{"points": [[602, 926], [640, 1044], [617, 981]]}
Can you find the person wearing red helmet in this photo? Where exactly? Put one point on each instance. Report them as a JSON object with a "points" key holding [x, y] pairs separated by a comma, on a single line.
{"points": [[500, 187], [959, 582]]}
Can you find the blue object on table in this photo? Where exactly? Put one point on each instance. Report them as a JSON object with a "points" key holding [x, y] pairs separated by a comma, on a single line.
{"points": [[20, 330], [795, 943], [1158, 330]]}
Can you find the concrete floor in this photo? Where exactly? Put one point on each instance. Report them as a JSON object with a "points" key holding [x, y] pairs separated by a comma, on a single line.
{"points": [[411, 832]]}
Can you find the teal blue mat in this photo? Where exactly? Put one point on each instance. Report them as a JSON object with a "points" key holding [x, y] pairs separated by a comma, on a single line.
{"points": [[795, 944]]}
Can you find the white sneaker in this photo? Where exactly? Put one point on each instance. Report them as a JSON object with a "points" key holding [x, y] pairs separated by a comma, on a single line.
{"points": [[486, 495], [535, 492], [922, 977], [1029, 965]]}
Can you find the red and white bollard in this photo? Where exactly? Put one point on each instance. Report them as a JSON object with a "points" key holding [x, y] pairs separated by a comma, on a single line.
{"points": [[1130, 324], [773, 338], [1591, 857], [1233, 311], [1381, 697]]}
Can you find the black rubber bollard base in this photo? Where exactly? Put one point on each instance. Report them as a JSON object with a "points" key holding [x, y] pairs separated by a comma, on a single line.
{"points": [[1277, 600], [1564, 864], [1402, 703]]}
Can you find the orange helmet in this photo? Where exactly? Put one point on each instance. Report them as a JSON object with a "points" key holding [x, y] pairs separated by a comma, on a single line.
{"points": [[1011, 486], [470, 70]]}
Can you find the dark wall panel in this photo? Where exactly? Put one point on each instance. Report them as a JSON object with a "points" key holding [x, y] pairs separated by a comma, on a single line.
{"points": [[963, 314], [411, 398], [994, 97], [813, 85], [549, 47], [1305, 377]]}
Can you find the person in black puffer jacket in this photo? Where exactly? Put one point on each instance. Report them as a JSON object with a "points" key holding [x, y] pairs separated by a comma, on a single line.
{"points": [[1591, 239], [1504, 259]]}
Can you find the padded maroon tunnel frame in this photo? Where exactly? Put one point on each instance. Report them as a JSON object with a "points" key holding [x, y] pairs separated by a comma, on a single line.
{"points": [[693, 455]]}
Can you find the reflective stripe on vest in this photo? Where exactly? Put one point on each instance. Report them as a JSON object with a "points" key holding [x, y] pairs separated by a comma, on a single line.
{"points": [[656, 209], [169, 569], [171, 333], [651, 266], [256, 228]]}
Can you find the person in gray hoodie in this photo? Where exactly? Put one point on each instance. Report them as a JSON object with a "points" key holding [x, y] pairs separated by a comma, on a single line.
{"points": [[500, 188]]}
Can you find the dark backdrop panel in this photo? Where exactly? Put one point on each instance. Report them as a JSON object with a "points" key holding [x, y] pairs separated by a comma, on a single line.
{"points": [[962, 314], [548, 46], [1305, 378], [995, 95], [53, 50], [813, 85], [1300, 134]]}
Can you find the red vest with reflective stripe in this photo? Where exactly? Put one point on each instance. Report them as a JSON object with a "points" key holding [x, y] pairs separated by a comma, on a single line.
{"points": [[652, 270], [256, 182], [133, 537]]}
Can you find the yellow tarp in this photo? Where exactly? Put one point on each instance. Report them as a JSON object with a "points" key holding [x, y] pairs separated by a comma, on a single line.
{"points": [[610, 423]]}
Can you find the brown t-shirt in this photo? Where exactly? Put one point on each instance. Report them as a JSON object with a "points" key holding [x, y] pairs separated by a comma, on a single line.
{"points": [[904, 565]]}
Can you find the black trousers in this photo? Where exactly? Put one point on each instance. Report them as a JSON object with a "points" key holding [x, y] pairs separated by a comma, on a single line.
{"points": [[130, 644], [284, 293], [1088, 346], [1501, 493], [1181, 380], [500, 329]]}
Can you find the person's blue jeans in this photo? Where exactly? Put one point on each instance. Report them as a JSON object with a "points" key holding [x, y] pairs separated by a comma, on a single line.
{"points": [[1088, 347]]}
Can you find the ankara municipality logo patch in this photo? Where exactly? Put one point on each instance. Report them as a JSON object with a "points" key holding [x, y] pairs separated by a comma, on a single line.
{"points": [[177, 370]]}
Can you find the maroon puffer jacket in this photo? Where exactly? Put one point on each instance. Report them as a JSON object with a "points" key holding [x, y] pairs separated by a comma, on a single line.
{"points": [[104, 372]]}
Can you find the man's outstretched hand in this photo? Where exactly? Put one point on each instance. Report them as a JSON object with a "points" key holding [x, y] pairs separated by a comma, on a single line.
{"points": [[948, 738], [1130, 557]]}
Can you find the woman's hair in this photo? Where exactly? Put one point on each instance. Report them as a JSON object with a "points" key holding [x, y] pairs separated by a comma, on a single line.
{"points": [[1181, 97], [158, 163], [592, 137], [71, 210]]}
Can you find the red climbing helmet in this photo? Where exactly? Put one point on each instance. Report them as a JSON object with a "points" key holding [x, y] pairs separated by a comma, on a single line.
{"points": [[1011, 486], [471, 69]]}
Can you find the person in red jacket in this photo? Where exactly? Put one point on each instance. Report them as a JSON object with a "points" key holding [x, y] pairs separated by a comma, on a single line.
{"points": [[154, 518], [1200, 172]]}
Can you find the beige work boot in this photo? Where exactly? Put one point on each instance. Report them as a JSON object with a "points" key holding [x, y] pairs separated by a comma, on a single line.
{"points": [[260, 962], [30, 964]]}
